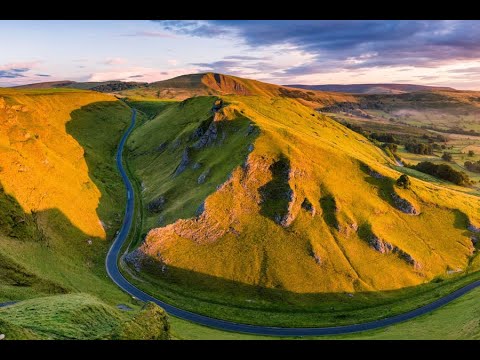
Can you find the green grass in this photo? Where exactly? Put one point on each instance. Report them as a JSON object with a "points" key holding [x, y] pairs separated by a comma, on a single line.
{"points": [[150, 108], [458, 320], [80, 317], [283, 128]]}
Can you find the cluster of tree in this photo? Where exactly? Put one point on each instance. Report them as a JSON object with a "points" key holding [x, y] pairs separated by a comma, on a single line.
{"points": [[433, 138], [447, 156], [473, 166], [419, 148], [390, 146], [453, 130], [444, 172], [356, 128], [385, 138], [404, 182]]}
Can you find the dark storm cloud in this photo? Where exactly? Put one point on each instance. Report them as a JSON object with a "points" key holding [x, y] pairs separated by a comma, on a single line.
{"points": [[43, 75], [135, 76], [13, 73], [349, 44]]}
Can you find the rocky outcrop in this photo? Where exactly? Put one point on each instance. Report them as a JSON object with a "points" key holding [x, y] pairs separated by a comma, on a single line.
{"points": [[385, 247], [203, 176], [161, 148], [156, 206], [208, 137], [473, 228], [403, 205], [184, 162]]}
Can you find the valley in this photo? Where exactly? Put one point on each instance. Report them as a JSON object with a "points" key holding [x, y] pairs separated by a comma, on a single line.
{"points": [[253, 203]]}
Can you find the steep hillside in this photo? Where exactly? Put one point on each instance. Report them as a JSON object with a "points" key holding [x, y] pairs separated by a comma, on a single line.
{"points": [[370, 88], [294, 202], [61, 198]]}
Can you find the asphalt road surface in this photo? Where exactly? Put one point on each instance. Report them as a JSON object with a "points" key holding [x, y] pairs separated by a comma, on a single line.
{"points": [[117, 277]]}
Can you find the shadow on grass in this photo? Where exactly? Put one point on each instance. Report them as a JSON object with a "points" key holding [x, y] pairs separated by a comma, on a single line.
{"points": [[222, 298]]}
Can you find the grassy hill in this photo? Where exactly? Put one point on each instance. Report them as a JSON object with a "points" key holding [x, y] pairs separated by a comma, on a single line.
{"points": [[101, 86], [266, 200], [81, 317], [61, 197], [186, 86]]}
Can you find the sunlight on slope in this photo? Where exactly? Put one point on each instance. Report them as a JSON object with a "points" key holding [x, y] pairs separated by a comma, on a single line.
{"points": [[43, 166], [336, 229]]}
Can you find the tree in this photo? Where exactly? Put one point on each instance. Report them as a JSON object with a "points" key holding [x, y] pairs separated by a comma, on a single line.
{"points": [[471, 153], [447, 156], [404, 181]]}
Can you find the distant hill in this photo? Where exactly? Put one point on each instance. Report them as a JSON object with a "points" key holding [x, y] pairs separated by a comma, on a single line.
{"points": [[186, 86], [370, 88], [105, 86]]}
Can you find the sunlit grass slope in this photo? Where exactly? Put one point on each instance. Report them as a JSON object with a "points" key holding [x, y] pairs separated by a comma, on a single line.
{"points": [[81, 317], [61, 197], [309, 207], [204, 84]]}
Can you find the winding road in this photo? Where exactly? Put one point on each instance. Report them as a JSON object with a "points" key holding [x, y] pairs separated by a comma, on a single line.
{"points": [[117, 277]]}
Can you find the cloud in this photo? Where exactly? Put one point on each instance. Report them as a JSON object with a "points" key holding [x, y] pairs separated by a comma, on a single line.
{"points": [[115, 61], [352, 44], [149, 74], [13, 73], [43, 75], [158, 34]]}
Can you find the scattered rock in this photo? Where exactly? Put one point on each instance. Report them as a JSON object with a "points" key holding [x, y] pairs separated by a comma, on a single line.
{"points": [[317, 258], [176, 144], [196, 166], [474, 240], [375, 174], [184, 162], [473, 228], [381, 246], [208, 137], [200, 209], [354, 226], [203, 176], [403, 205], [250, 148], [385, 247], [162, 147], [2, 336], [155, 206], [251, 129], [124, 307], [89, 241]]}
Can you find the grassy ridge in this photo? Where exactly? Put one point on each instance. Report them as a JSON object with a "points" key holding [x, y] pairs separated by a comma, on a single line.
{"points": [[81, 317], [237, 261]]}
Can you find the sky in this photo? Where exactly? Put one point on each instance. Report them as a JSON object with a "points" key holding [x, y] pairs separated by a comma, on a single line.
{"points": [[439, 53]]}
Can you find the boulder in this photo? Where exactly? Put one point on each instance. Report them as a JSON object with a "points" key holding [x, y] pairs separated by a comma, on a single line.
{"points": [[403, 205]]}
